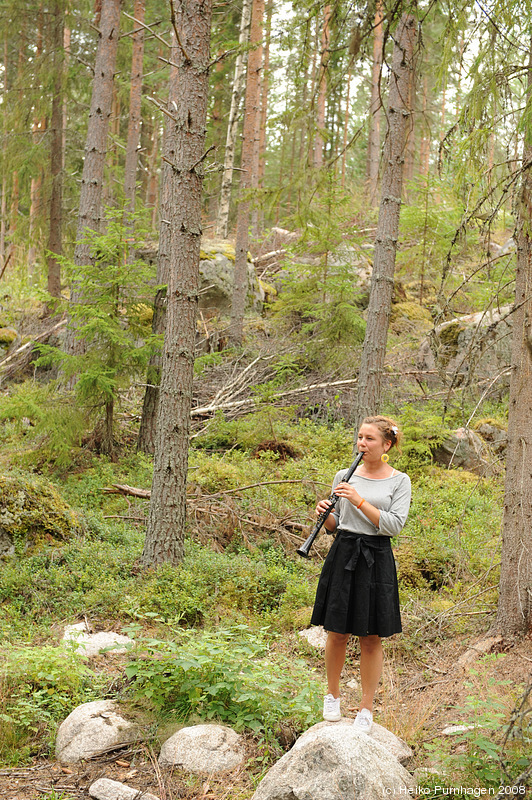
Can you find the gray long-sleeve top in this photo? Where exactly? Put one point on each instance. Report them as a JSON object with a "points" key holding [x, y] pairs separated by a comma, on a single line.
{"points": [[391, 495]]}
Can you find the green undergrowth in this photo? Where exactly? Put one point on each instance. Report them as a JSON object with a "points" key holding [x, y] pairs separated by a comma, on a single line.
{"points": [[231, 674], [241, 592]]}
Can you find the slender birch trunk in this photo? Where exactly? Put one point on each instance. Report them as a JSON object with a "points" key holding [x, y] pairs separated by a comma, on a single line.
{"points": [[319, 139], [222, 222], [251, 116]]}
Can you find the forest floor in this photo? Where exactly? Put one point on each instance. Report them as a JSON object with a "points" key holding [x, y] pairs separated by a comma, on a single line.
{"points": [[419, 697]]}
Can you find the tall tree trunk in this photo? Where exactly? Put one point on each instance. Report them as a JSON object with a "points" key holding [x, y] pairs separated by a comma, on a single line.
{"points": [[55, 241], [251, 116], [152, 188], [262, 143], [135, 98], [375, 109], [90, 199], [319, 140], [346, 125], [222, 222], [374, 349], [39, 126], [167, 515], [424, 150], [148, 420], [514, 610]]}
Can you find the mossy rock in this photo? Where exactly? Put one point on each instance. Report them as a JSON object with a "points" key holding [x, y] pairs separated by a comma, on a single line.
{"points": [[32, 513], [7, 336], [412, 311]]}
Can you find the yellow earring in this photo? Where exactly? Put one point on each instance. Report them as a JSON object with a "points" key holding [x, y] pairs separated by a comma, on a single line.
{"points": [[385, 458]]}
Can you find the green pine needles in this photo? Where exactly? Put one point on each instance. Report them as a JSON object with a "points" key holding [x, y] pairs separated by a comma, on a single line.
{"points": [[111, 318]]}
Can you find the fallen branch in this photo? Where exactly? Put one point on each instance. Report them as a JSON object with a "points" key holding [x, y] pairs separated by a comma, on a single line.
{"points": [[26, 346], [124, 489], [212, 408]]}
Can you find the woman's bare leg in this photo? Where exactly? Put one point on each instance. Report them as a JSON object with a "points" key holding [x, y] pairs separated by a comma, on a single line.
{"points": [[371, 659], [335, 650]]}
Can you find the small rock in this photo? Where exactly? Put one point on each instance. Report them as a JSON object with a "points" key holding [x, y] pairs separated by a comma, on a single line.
{"points": [[92, 729], [91, 644], [106, 789], [315, 636], [204, 749], [452, 729]]}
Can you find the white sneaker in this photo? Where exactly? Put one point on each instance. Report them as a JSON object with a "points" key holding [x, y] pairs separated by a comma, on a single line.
{"points": [[363, 721], [331, 708]]}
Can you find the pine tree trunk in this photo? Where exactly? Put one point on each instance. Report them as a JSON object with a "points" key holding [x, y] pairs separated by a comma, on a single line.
{"points": [[514, 610], [148, 421], [55, 241], [90, 200], [374, 349], [222, 222], [167, 515], [251, 115], [135, 97], [375, 108]]}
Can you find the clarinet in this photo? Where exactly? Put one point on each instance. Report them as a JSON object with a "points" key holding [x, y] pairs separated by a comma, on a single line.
{"points": [[333, 499]]}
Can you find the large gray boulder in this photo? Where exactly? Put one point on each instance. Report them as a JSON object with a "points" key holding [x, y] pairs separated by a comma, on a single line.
{"points": [[335, 762], [92, 729], [476, 345], [204, 749], [216, 273], [476, 453]]}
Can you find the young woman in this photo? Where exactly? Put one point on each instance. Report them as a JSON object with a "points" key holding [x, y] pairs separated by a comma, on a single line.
{"points": [[357, 590]]}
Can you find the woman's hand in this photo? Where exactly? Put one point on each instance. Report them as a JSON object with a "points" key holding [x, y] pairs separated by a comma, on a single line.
{"points": [[348, 492], [330, 522], [322, 507]]}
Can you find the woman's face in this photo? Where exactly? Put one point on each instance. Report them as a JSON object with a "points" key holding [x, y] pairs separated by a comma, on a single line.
{"points": [[372, 442]]}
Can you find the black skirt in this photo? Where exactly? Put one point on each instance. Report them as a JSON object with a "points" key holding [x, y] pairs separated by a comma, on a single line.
{"points": [[357, 590]]}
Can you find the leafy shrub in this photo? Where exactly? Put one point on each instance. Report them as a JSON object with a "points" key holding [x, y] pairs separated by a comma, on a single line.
{"points": [[230, 675], [41, 685]]}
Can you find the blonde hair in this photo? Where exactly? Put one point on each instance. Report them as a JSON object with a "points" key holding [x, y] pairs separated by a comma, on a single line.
{"points": [[388, 428]]}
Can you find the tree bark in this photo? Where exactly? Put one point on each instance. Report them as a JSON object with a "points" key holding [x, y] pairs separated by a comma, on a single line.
{"points": [[251, 117], [167, 515], [135, 98], [375, 108], [319, 140], [222, 222], [514, 610], [55, 241], [263, 117], [148, 421], [378, 316], [90, 199]]}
